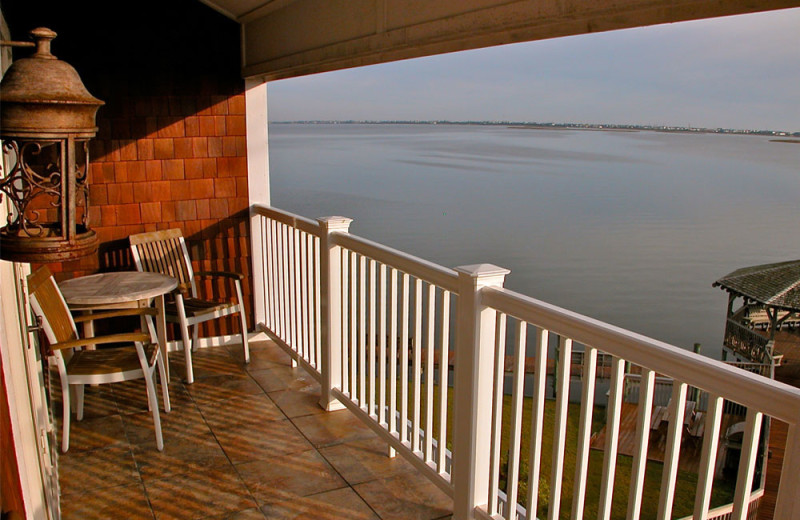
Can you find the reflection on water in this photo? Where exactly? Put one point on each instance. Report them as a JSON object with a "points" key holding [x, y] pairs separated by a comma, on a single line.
{"points": [[627, 227]]}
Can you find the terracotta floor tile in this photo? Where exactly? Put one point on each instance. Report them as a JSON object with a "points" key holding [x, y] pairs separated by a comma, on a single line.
{"points": [[91, 434], [219, 388], [331, 505], [262, 441], [191, 454], [206, 362], [332, 428], [179, 425], [129, 502], [80, 472], [366, 459], [289, 476], [131, 396], [281, 378], [403, 498], [240, 411], [98, 400], [199, 494], [247, 514], [262, 355], [297, 403]]}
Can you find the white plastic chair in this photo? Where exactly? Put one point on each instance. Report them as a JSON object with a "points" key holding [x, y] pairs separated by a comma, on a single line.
{"points": [[165, 252], [77, 368]]}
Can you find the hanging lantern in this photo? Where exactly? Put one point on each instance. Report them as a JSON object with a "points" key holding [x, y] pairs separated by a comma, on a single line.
{"points": [[47, 118]]}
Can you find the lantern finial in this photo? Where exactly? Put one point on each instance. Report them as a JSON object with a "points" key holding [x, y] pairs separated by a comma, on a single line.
{"points": [[46, 120]]}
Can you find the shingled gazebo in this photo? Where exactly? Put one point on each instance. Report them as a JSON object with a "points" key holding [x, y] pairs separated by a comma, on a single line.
{"points": [[770, 302]]}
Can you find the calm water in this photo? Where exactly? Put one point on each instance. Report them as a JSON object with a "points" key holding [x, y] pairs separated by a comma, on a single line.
{"points": [[628, 227]]}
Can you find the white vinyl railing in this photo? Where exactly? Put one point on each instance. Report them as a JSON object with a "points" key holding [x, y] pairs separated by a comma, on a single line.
{"points": [[380, 330]]}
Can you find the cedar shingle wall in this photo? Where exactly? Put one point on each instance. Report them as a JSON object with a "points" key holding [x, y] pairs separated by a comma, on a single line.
{"points": [[170, 149]]}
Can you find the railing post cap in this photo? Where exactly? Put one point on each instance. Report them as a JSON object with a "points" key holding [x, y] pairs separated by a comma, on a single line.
{"points": [[483, 274], [335, 223]]}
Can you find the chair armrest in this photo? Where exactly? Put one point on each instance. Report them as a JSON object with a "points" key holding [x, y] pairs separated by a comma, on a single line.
{"points": [[101, 340], [142, 311], [223, 274]]}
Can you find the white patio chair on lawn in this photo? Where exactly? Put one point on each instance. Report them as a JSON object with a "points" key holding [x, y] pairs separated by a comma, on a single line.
{"points": [[165, 252], [77, 368]]}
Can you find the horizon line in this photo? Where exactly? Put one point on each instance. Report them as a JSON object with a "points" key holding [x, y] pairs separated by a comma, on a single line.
{"points": [[534, 124]]}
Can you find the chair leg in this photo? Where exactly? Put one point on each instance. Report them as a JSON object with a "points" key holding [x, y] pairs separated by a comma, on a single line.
{"points": [[79, 398], [65, 402], [187, 345], [152, 398], [245, 344], [195, 337], [162, 374]]}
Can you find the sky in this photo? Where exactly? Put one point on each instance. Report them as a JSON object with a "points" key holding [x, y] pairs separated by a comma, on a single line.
{"points": [[733, 72]]}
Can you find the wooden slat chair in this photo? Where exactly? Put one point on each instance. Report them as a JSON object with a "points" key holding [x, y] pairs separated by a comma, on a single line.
{"points": [[165, 252], [87, 367]]}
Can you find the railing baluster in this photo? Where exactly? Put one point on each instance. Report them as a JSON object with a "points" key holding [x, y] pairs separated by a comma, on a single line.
{"points": [[302, 266], [672, 452], [747, 464], [497, 412], [417, 368], [429, 382], [345, 322], [444, 372], [404, 360], [382, 343], [537, 420], [313, 296], [296, 322], [371, 339], [560, 427], [362, 334], [708, 457], [584, 432], [290, 287], [318, 305], [353, 330], [639, 463], [272, 287], [285, 312], [515, 441], [393, 355], [612, 437]]}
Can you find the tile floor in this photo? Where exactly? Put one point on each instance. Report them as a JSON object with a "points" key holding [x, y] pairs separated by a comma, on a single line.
{"points": [[242, 442]]}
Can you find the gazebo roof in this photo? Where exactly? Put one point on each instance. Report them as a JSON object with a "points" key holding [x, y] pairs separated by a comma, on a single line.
{"points": [[774, 285]]}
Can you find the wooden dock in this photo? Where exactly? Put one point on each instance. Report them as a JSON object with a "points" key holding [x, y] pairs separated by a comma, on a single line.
{"points": [[690, 446]]}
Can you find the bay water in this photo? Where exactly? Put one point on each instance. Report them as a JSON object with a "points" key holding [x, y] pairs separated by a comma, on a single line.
{"points": [[629, 227]]}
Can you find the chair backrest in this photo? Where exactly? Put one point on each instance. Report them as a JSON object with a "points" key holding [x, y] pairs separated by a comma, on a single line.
{"points": [[164, 252], [47, 302]]}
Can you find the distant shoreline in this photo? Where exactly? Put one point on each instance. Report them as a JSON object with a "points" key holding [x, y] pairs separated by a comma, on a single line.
{"points": [[523, 125]]}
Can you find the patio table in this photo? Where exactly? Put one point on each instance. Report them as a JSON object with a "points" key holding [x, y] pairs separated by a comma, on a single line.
{"points": [[121, 290]]}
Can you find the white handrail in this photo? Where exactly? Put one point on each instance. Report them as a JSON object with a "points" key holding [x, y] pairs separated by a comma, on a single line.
{"points": [[773, 398], [432, 273], [290, 219], [325, 313]]}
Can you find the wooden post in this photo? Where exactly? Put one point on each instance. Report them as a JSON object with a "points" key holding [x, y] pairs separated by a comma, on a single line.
{"points": [[472, 392], [330, 364]]}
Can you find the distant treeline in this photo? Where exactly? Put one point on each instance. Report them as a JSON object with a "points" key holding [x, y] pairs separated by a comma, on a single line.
{"points": [[572, 126]]}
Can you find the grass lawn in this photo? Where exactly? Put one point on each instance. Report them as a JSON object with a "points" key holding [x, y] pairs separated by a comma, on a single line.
{"points": [[686, 481]]}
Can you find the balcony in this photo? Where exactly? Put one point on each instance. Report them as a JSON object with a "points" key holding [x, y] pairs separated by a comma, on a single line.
{"points": [[391, 387], [244, 442]]}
